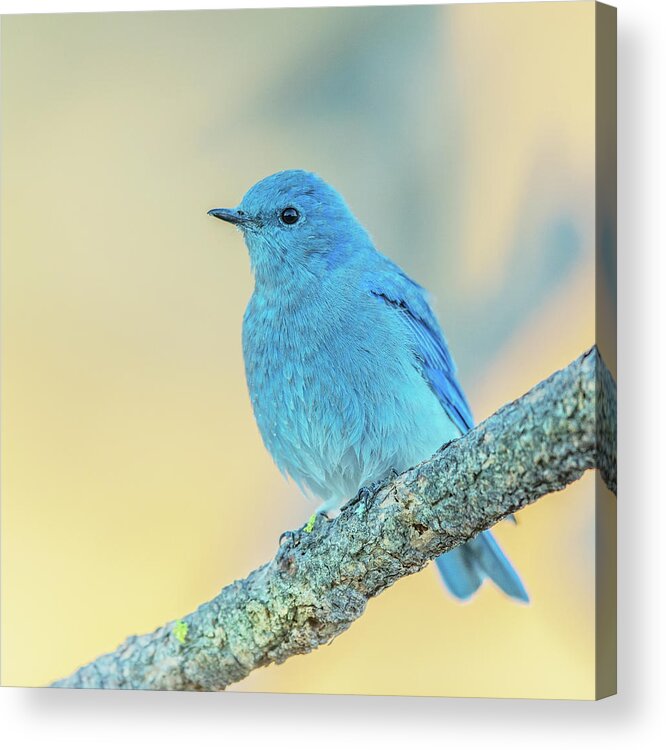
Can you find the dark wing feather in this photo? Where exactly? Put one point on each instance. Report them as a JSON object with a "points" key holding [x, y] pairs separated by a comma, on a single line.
{"points": [[430, 348]]}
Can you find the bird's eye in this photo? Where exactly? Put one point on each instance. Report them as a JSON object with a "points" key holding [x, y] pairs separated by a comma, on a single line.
{"points": [[289, 216]]}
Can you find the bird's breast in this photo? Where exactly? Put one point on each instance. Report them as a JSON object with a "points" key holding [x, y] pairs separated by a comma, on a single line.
{"points": [[301, 364], [336, 393]]}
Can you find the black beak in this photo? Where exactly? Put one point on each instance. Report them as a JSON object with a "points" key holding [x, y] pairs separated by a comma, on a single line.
{"points": [[232, 215]]}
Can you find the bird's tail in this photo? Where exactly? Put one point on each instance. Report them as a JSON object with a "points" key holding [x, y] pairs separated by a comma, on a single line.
{"points": [[464, 568]]}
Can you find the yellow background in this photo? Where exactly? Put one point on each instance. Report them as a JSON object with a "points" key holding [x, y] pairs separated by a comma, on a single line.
{"points": [[134, 480]]}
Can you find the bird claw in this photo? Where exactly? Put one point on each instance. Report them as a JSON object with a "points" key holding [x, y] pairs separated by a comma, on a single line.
{"points": [[371, 490], [286, 536], [291, 537], [364, 494]]}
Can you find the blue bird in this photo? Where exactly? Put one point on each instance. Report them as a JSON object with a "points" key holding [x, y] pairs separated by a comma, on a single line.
{"points": [[349, 373]]}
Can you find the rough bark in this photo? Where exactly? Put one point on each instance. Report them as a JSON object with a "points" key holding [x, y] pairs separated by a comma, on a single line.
{"points": [[320, 581]]}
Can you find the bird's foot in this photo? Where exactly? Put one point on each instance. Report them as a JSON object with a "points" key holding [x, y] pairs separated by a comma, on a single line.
{"points": [[287, 536], [366, 493]]}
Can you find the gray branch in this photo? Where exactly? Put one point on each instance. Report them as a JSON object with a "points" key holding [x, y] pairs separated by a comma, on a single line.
{"points": [[320, 581]]}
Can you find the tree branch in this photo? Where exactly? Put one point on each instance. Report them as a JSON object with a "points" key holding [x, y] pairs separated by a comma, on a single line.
{"points": [[320, 582]]}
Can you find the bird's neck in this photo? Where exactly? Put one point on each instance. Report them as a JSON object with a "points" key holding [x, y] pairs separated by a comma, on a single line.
{"points": [[285, 280], [282, 299]]}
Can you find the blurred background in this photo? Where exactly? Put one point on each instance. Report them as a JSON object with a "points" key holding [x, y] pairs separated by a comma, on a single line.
{"points": [[135, 484]]}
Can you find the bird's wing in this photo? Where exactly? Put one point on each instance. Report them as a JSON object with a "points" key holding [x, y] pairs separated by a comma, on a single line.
{"points": [[430, 348]]}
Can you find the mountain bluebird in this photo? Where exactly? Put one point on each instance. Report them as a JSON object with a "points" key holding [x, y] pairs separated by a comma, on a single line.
{"points": [[349, 373]]}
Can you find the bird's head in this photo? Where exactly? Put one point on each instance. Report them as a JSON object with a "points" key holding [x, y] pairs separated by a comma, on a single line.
{"points": [[294, 223]]}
